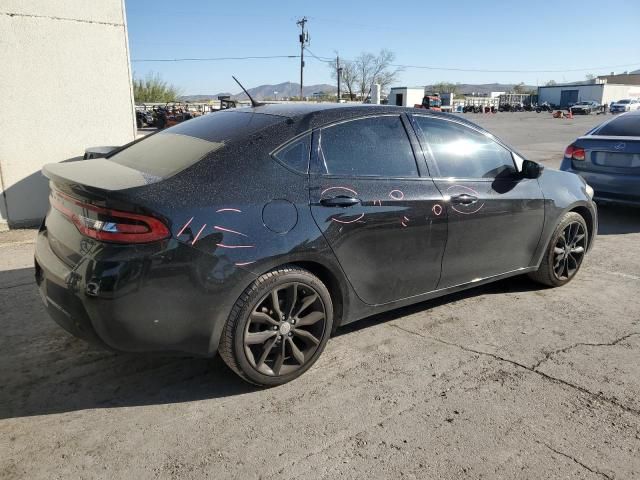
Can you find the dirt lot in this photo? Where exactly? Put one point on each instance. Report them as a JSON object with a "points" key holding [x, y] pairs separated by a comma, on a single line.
{"points": [[504, 381]]}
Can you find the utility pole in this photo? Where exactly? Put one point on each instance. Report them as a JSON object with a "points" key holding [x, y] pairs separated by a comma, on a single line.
{"points": [[339, 74], [304, 40]]}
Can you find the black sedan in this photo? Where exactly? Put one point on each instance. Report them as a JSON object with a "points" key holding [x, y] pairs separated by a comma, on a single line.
{"points": [[585, 108], [608, 158], [256, 232]]}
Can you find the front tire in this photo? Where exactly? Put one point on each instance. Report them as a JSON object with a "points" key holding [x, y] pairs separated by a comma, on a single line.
{"points": [[565, 252], [278, 327]]}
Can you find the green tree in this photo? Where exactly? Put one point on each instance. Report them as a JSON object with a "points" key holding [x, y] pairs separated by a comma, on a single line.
{"points": [[153, 89]]}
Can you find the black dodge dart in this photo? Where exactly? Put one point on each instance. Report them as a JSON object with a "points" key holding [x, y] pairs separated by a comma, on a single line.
{"points": [[256, 232]]}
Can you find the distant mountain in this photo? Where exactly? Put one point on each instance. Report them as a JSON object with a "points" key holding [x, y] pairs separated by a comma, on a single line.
{"points": [[484, 88], [285, 90]]}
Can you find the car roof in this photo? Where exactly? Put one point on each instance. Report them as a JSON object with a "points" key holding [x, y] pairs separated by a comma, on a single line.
{"points": [[317, 114]]}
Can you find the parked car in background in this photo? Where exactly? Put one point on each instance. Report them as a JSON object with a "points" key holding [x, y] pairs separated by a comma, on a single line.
{"points": [[608, 158], [625, 105], [585, 108], [255, 232]]}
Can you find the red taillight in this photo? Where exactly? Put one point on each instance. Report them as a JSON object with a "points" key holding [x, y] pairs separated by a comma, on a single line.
{"points": [[109, 225], [574, 153]]}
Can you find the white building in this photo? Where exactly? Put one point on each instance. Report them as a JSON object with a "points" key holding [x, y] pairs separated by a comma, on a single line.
{"points": [[65, 84], [406, 96], [603, 90]]}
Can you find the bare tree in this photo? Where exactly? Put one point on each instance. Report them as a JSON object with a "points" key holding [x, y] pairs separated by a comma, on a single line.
{"points": [[375, 69], [349, 76], [589, 76], [551, 83], [360, 74]]}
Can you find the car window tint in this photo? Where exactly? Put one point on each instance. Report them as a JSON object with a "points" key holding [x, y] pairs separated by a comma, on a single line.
{"points": [[164, 154], [374, 146], [624, 126], [226, 125], [462, 152], [296, 154], [176, 148]]}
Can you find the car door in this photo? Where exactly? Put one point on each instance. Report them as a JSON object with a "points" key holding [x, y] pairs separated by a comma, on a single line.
{"points": [[495, 216], [377, 207]]}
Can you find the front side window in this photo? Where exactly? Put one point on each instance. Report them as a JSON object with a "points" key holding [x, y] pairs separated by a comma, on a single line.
{"points": [[461, 152], [373, 146]]}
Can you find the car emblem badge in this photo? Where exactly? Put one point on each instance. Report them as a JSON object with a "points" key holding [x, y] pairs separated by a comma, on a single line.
{"points": [[620, 146]]}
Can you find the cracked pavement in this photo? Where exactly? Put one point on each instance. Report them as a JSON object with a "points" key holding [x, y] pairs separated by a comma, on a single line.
{"points": [[508, 380]]}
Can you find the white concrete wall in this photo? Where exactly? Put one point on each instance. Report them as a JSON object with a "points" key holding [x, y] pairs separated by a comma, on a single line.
{"points": [[65, 84], [618, 92], [410, 96]]}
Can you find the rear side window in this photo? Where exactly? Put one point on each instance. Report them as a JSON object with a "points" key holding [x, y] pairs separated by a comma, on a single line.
{"points": [[373, 146], [622, 126], [461, 152], [176, 148], [296, 154]]}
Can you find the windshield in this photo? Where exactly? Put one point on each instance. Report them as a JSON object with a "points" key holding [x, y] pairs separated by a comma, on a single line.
{"points": [[174, 149]]}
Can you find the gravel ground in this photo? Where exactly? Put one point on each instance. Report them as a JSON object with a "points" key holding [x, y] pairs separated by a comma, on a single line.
{"points": [[506, 381]]}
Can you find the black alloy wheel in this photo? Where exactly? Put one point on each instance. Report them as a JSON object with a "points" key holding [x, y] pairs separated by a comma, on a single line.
{"points": [[569, 251], [284, 329], [278, 327], [565, 252]]}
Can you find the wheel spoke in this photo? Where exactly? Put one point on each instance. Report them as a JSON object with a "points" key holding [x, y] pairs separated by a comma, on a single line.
{"points": [[293, 299], [578, 237], [295, 351], [306, 335], [577, 250], [558, 251], [275, 303], [261, 317], [310, 319], [267, 349], [252, 338], [306, 302], [277, 365]]}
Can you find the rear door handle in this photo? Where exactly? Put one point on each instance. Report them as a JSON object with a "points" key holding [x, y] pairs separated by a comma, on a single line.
{"points": [[340, 201], [464, 199]]}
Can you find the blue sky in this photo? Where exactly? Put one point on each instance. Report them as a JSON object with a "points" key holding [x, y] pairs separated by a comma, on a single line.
{"points": [[489, 35]]}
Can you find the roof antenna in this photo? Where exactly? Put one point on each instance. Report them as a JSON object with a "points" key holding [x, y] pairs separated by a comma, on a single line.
{"points": [[253, 102]]}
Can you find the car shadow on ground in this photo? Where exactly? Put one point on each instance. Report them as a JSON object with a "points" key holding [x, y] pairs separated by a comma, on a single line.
{"points": [[616, 220], [47, 371]]}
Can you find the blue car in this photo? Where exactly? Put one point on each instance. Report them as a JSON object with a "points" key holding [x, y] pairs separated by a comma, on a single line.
{"points": [[608, 158]]}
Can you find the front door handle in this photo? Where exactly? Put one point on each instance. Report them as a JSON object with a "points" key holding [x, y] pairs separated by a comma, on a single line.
{"points": [[464, 199], [340, 201]]}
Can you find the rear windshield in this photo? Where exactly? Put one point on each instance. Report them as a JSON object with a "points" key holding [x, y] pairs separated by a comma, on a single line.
{"points": [[179, 147], [624, 101], [623, 126]]}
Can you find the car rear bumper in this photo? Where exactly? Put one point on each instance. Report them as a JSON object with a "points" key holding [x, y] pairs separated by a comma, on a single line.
{"points": [[171, 303], [608, 187]]}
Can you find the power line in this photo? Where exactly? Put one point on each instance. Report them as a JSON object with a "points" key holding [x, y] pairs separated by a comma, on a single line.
{"points": [[454, 69], [212, 59]]}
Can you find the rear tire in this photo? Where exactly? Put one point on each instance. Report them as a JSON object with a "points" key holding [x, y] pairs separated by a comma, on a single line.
{"points": [[278, 327], [565, 252]]}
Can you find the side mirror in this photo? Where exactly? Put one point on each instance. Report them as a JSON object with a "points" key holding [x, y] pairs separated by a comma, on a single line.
{"points": [[531, 169], [98, 152]]}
